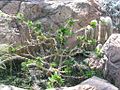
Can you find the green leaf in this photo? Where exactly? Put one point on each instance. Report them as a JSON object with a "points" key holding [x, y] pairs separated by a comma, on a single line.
{"points": [[20, 16], [70, 22], [93, 23]]}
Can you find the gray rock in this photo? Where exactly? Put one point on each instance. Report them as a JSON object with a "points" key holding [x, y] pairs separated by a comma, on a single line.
{"points": [[6, 32], [11, 7], [9, 31], [99, 84], [9, 87], [53, 13], [93, 83], [111, 49], [32, 10], [57, 11]]}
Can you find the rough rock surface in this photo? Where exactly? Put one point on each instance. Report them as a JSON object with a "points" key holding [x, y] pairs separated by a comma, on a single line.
{"points": [[10, 8], [99, 84], [112, 51], [93, 83], [9, 87], [10, 31], [6, 31], [53, 13]]}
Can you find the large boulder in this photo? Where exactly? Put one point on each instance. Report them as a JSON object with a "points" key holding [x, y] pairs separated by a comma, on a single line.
{"points": [[9, 87], [10, 7], [111, 50], [93, 83], [98, 84], [53, 13]]}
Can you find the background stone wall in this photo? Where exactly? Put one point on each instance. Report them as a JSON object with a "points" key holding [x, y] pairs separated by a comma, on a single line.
{"points": [[53, 13]]}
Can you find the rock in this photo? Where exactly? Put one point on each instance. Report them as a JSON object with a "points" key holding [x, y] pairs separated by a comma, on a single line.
{"points": [[6, 32], [32, 10], [111, 49], [2, 3], [10, 33], [53, 13], [81, 87], [98, 84], [9, 87], [93, 83], [10, 7]]}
